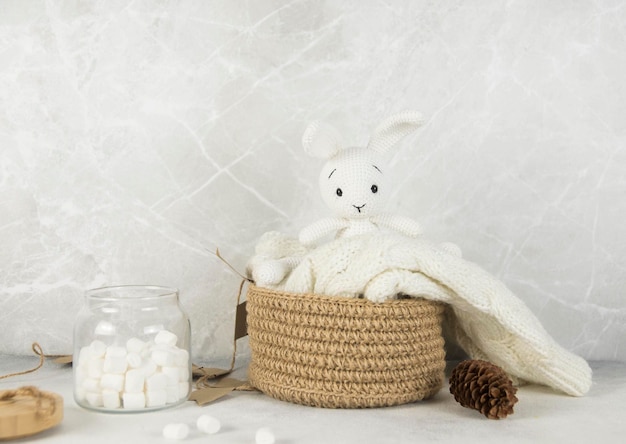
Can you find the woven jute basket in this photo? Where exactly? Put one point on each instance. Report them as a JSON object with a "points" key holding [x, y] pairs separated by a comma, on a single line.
{"points": [[338, 352]]}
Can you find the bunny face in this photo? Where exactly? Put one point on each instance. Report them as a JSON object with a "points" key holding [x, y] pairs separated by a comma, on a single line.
{"points": [[352, 183]]}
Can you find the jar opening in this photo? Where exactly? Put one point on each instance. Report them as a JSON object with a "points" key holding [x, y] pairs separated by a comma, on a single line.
{"points": [[134, 292]]}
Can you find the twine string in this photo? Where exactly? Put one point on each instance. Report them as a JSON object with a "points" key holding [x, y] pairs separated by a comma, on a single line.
{"points": [[46, 403], [244, 279], [203, 381], [220, 257], [42, 357]]}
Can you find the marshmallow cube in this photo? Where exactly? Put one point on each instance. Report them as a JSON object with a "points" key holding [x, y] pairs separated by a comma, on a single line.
{"points": [[135, 345], [82, 372], [264, 436], [158, 381], [163, 357], [134, 381], [91, 385], [181, 358], [115, 360], [112, 381], [183, 390], [98, 348], [134, 360], [113, 351], [156, 398], [85, 355], [172, 373], [115, 365], [95, 367], [149, 368], [146, 352], [173, 394], [165, 337], [134, 400], [208, 424], [176, 431], [81, 393], [111, 399], [94, 399], [183, 374]]}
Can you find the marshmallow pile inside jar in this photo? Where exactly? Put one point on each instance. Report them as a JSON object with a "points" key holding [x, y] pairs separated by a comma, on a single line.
{"points": [[132, 351]]}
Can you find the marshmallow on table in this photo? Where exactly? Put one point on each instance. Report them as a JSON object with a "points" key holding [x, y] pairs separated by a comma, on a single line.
{"points": [[208, 424], [176, 431], [264, 436]]}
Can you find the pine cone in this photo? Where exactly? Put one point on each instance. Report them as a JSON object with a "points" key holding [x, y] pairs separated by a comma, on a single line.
{"points": [[483, 386]]}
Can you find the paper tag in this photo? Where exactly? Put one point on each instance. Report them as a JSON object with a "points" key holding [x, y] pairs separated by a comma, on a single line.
{"points": [[65, 359], [208, 372], [228, 382], [241, 324], [217, 389], [209, 394]]}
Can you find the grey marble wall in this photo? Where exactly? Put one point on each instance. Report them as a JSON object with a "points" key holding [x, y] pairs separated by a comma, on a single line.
{"points": [[138, 136]]}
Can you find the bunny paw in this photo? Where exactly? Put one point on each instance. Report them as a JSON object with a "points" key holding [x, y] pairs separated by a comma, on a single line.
{"points": [[269, 273]]}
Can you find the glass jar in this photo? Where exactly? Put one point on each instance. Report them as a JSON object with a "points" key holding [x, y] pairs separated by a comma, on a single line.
{"points": [[131, 350]]}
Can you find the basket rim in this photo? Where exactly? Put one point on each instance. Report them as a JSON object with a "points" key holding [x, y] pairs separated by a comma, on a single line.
{"points": [[342, 300]]}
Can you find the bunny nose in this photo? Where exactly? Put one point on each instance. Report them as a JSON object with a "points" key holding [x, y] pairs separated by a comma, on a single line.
{"points": [[358, 208]]}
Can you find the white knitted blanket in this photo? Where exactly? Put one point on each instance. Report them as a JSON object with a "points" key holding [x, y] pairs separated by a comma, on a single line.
{"points": [[488, 321]]}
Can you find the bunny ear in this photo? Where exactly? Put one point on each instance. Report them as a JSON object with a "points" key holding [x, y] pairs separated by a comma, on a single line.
{"points": [[322, 140], [393, 129]]}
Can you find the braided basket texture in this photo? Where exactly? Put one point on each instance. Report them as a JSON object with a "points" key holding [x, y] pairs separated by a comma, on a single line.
{"points": [[338, 352]]}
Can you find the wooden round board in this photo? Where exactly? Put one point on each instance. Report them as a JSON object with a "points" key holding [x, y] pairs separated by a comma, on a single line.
{"points": [[21, 416]]}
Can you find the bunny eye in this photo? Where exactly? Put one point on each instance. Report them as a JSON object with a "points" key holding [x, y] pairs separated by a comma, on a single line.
{"points": [[374, 189], [339, 192]]}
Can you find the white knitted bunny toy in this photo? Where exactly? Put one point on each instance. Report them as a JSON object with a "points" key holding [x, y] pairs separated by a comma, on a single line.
{"points": [[353, 182], [486, 318]]}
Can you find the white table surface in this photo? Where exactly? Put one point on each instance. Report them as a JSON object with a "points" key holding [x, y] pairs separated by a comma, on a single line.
{"points": [[541, 415]]}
